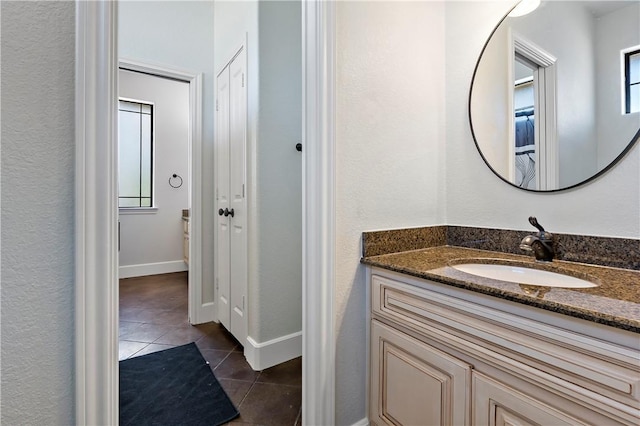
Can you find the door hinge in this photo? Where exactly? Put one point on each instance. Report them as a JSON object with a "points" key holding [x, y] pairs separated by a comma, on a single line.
{"points": [[217, 107], [243, 190], [217, 196], [242, 79], [217, 283], [242, 303]]}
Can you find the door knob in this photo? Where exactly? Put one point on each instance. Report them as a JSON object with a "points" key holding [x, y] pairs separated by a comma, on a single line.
{"points": [[226, 212]]}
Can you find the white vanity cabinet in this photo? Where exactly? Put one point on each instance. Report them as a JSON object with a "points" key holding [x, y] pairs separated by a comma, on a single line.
{"points": [[185, 239], [416, 383], [440, 355]]}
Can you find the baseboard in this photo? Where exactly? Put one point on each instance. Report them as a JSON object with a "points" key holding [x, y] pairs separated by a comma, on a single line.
{"points": [[362, 422], [273, 352], [141, 270]]}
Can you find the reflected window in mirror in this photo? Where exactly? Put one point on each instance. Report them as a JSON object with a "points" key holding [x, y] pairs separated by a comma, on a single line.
{"points": [[632, 81]]}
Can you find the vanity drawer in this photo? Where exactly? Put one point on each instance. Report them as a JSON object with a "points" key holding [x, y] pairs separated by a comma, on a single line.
{"points": [[560, 359]]}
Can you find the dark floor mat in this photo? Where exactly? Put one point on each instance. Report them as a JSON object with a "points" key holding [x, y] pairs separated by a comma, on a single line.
{"points": [[172, 387]]}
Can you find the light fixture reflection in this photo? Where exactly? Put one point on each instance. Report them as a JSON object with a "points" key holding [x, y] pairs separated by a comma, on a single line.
{"points": [[524, 7]]}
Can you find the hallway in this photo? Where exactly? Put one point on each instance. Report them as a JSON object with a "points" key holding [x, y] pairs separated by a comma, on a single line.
{"points": [[153, 317]]}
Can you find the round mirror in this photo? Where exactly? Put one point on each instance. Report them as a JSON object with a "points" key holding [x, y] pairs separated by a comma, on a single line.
{"points": [[555, 96]]}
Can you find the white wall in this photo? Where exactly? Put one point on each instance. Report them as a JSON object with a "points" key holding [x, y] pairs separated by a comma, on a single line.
{"points": [[279, 171], [179, 34], [614, 32], [390, 143], [37, 300], [151, 238], [491, 125], [608, 206]]}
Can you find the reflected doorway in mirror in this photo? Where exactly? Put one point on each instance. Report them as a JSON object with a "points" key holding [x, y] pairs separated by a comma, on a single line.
{"points": [[534, 163]]}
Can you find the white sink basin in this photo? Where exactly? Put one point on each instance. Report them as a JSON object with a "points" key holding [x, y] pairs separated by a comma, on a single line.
{"points": [[523, 275]]}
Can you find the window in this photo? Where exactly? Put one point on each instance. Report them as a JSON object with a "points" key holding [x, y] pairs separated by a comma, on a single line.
{"points": [[632, 81], [135, 146]]}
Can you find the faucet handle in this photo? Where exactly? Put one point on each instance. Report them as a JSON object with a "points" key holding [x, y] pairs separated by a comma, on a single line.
{"points": [[533, 221]]}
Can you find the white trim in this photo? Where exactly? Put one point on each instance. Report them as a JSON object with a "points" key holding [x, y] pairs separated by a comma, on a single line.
{"points": [[273, 352], [137, 210], [96, 316], [156, 69], [318, 216], [532, 51], [144, 269], [196, 312], [362, 422]]}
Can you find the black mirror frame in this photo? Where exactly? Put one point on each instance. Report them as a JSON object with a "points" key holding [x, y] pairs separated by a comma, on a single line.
{"points": [[613, 162]]}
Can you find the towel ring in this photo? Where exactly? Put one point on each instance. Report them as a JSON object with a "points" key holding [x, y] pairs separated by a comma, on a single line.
{"points": [[175, 181]]}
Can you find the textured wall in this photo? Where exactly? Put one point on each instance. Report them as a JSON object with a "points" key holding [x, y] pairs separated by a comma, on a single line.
{"points": [[608, 206], [389, 155], [37, 213]]}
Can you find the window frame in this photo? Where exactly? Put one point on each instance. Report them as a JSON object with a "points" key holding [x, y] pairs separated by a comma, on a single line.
{"points": [[152, 208], [627, 77]]}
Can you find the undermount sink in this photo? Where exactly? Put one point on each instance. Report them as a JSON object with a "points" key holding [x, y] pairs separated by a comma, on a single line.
{"points": [[523, 275]]}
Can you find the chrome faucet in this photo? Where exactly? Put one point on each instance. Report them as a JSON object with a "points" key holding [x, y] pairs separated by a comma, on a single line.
{"points": [[541, 244]]}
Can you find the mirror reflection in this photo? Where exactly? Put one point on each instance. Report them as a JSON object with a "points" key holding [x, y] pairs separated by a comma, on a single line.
{"points": [[555, 98]]}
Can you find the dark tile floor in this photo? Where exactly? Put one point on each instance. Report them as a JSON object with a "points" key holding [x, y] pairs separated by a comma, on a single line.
{"points": [[153, 317]]}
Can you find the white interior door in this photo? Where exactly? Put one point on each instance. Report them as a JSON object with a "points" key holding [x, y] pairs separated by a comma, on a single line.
{"points": [[237, 200], [222, 195], [231, 197]]}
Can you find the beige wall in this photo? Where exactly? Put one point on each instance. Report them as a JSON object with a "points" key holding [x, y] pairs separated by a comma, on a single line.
{"points": [[389, 154]]}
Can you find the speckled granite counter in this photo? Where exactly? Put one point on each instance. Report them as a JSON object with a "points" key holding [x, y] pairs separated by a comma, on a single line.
{"points": [[614, 302]]}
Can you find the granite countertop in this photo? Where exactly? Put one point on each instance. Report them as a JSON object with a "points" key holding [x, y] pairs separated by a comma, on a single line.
{"points": [[614, 302]]}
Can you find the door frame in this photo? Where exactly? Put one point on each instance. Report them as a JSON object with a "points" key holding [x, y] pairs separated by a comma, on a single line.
{"points": [[545, 94], [197, 314], [96, 278], [318, 213]]}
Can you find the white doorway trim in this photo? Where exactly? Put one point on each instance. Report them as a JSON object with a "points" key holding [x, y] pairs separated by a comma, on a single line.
{"points": [[96, 214], [198, 312], [318, 213], [545, 94]]}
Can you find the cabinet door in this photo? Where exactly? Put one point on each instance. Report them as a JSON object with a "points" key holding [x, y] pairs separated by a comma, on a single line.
{"points": [[496, 404], [415, 384]]}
